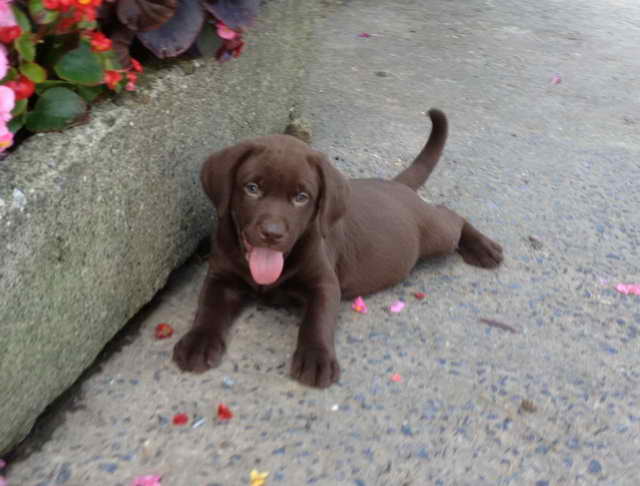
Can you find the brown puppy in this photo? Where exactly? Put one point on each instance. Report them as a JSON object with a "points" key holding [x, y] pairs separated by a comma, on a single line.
{"points": [[289, 222]]}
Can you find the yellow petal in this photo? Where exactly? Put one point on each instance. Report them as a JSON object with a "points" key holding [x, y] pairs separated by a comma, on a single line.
{"points": [[258, 478]]}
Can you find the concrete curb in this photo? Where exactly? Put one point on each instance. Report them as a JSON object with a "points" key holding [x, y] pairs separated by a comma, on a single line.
{"points": [[93, 220]]}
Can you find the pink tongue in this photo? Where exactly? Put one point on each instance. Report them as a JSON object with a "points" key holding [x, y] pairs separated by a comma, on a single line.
{"points": [[266, 265]]}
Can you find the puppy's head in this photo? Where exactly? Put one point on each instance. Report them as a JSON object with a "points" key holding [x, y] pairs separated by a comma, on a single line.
{"points": [[275, 189]]}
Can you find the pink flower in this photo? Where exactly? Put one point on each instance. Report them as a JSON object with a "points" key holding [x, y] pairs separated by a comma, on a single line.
{"points": [[7, 19], [225, 32], [3, 481], [397, 306], [7, 102], [150, 480], [359, 305], [627, 289], [4, 61], [6, 139]]}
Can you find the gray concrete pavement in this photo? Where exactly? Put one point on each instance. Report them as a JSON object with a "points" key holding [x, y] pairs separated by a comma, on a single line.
{"points": [[550, 170]]}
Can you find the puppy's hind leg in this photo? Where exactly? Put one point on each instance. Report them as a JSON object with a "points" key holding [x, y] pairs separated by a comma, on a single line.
{"points": [[445, 231], [477, 249]]}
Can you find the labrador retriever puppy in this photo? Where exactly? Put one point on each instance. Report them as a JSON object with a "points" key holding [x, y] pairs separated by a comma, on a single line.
{"points": [[289, 223]]}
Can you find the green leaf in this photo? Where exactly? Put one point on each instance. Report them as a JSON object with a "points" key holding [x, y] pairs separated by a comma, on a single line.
{"points": [[109, 60], [90, 93], [19, 108], [41, 15], [35, 72], [51, 83], [81, 66], [87, 25], [17, 122], [10, 76], [56, 109], [21, 18], [25, 46], [208, 42]]}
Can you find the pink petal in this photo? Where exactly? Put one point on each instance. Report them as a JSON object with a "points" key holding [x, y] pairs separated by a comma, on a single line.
{"points": [[556, 79], [627, 289], [397, 306], [4, 61], [396, 378], [225, 32], [359, 305], [7, 102], [3, 463], [3, 481], [149, 480], [6, 141], [7, 19], [364, 35]]}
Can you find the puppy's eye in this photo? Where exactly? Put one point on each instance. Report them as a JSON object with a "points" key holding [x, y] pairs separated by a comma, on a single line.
{"points": [[301, 199], [252, 189]]}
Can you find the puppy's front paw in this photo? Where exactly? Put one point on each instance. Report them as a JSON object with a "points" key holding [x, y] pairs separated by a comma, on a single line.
{"points": [[198, 351], [315, 367]]}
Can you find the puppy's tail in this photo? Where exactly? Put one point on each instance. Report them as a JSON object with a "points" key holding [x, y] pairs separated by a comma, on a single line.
{"points": [[419, 171]]}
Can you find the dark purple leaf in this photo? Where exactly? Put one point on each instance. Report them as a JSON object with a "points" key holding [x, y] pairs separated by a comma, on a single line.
{"points": [[144, 15], [208, 42], [122, 37], [177, 35], [234, 13]]}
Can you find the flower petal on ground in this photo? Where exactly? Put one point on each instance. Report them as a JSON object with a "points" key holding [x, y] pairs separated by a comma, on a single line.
{"points": [[258, 478], [359, 305], [148, 480], [396, 378], [627, 289], [397, 306], [224, 412]]}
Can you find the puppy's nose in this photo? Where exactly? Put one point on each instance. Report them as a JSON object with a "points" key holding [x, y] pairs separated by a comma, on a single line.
{"points": [[272, 231]]}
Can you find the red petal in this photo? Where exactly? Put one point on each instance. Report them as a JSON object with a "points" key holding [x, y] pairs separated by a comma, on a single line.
{"points": [[163, 331], [420, 295], [180, 419], [224, 413]]}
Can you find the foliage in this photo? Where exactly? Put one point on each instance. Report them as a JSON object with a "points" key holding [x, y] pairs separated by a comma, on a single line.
{"points": [[58, 56]]}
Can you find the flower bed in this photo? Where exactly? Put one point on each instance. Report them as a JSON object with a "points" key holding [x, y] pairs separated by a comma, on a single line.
{"points": [[59, 56]]}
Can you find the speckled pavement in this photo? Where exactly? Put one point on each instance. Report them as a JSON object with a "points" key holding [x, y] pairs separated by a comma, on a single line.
{"points": [[544, 156]]}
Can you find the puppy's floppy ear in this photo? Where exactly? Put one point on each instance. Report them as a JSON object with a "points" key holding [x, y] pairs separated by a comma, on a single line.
{"points": [[334, 193], [218, 173]]}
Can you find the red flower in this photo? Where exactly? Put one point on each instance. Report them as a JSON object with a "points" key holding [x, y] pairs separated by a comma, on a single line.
{"points": [[23, 87], [231, 47], [8, 34], [51, 4], [180, 419], [135, 64], [65, 25], [163, 331], [84, 4], [224, 413], [99, 41], [131, 85], [420, 295], [60, 5], [112, 78]]}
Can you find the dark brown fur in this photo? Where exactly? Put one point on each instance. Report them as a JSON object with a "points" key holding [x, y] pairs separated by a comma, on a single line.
{"points": [[352, 237]]}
